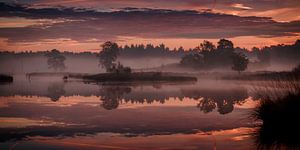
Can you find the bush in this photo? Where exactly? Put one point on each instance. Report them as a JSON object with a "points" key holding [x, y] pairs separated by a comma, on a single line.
{"points": [[279, 115]]}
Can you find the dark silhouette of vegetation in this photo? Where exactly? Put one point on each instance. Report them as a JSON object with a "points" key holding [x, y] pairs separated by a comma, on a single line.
{"points": [[209, 57], [240, 62], [56, 60], [206, 46], [119, 69], [113, 95], [224, 52], [279, 116], [108, 55], [6, 78], [221, 56], [293, 75], [275, 54], [138, 76], [263, 56], [223, 100], [149, 50], [193, 60], [56, 90], [283, 53]]}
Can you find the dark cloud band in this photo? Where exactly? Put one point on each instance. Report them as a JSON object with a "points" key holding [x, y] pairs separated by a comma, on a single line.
{"points": [[84, 24]]}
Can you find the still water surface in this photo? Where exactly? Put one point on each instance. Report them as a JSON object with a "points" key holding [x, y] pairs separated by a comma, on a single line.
{"points": [[48, 113]]}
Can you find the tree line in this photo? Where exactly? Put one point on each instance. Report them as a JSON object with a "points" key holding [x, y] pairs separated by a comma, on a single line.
{"points": [[203, 57], [209, 56], [278, 53]]}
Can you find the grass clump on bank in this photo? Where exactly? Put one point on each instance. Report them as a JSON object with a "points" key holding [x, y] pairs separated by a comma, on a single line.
{"points": [[279, 115]]}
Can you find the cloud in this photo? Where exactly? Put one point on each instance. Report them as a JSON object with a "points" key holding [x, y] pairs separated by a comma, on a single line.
{"points": [[260, 8], [85, 24], [241, 6]]}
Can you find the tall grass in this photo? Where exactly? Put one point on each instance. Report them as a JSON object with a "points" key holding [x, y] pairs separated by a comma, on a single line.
{"points": [[279, 113]]}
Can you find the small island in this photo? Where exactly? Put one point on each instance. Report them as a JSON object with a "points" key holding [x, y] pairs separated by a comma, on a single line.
{"points": [[116, 72], [137, 77], [6, 78]]}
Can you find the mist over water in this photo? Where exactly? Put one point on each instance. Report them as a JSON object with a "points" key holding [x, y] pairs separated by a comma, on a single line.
{"points": [[49, 109], [29, 64], [52, 103], [90, 64], [157, 75], [53, 112]]}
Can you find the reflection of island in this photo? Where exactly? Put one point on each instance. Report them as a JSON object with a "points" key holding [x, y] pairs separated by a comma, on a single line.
{"points": [[56, 90], [112, 96], [279, 128], [224, 100], [84, 118]]}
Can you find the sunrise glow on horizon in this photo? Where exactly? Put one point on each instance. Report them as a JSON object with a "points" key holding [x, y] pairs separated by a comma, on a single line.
{"points": [[82, 25]]}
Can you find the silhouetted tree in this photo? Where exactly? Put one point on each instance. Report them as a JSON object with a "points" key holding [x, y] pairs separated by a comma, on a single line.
{"points": [[208, 57], [208, 50], [240, 62], [180, 49], [255, 50], [224, 53], [225, 44], [192, 60], [108, 55], [207, 46], [56, 60]]}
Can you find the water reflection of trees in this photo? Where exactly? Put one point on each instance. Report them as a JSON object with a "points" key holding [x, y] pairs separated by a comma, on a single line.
{"points": [[112, 95], [56, 90], [279, 128], [222, 99]]}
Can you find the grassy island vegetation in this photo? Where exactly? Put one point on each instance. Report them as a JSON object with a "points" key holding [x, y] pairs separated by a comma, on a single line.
{"points": [[275, 76], [139, 76], [115, 71], [6, 78], [278, 115]]}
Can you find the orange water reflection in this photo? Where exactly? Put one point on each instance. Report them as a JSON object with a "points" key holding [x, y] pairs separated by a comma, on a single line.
{"points": [[74, 115], [238, 138]]}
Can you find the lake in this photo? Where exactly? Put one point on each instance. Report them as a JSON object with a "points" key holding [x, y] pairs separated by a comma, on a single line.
{"points": [[49, 113]]}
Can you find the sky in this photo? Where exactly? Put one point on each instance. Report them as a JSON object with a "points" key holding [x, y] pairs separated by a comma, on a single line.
{"points": [[82, 25]]}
